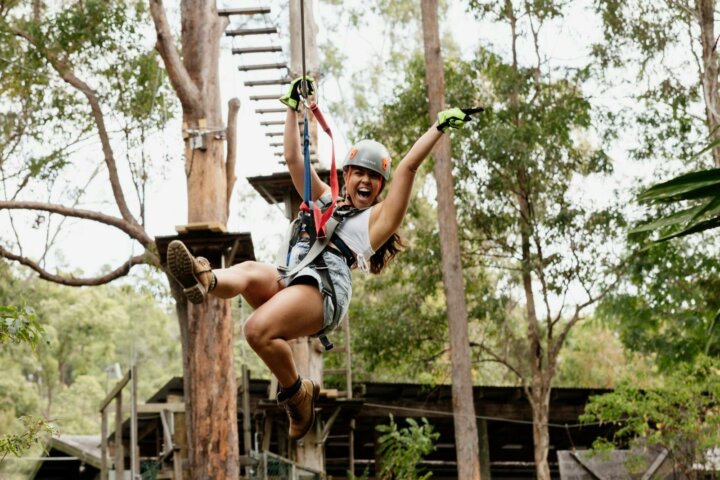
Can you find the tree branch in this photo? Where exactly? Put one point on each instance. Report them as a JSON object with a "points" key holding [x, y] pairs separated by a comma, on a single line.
{"points": [[183, 85], [69, 76], [121, 271], [63, 68], [132, 229], [231, 135], [497, 358]]}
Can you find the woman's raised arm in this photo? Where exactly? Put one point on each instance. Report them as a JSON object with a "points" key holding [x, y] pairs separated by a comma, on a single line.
{"points": [[388, 215], [292, 146]]}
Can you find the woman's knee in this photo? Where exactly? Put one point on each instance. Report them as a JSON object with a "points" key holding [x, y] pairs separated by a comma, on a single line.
{"points": [[256, 332]]}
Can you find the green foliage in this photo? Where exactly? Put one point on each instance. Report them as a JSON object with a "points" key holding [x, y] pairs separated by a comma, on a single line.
{"points": [[668, 304], [535, 132], [34, 429], [639, 36], [701, 188], [87, 330], [402, 449], [594, 343], [680, 416], [43, 119], [19, 325]]}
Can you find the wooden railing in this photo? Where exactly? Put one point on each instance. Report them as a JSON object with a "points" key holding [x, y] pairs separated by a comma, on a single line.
{"points": [[119, 463]]}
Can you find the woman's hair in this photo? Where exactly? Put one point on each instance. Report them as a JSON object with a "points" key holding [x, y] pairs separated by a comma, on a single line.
{"points": [[385, 253]]}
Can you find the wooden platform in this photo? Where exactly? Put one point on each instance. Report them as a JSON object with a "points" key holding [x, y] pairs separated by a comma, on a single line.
{"points": [[220, 248]]}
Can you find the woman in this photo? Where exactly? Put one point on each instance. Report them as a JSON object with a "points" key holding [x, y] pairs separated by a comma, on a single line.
{"points": [[370, 236]]}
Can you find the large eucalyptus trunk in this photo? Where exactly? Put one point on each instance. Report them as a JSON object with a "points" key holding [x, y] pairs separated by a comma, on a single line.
{"points": [[464, 420], [206, 329]]}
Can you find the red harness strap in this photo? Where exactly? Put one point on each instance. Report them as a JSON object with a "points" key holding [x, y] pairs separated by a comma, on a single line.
{"points": [[322, 218]]}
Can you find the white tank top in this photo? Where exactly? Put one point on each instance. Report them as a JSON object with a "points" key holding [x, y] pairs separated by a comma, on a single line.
{"points": [[355, 232]]}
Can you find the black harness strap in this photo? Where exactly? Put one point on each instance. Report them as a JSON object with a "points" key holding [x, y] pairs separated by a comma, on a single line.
{"points": [[303, 228]]}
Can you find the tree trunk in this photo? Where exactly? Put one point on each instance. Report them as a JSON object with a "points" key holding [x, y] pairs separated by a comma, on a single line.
{"points": [[540, 403], [540, 382], [705, 10], [206, 329], [466, 434]]}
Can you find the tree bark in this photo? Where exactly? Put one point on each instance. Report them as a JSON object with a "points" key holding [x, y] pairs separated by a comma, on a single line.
{"points": [[206, 329], [466, 434]]}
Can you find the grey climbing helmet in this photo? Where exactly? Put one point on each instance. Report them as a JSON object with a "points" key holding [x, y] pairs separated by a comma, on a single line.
{"points": [[371, 155]]}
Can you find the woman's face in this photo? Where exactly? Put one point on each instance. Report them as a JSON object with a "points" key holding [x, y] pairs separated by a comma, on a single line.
{"points": [[362, 186]]}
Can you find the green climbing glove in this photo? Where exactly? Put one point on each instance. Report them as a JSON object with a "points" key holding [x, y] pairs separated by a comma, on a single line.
{"points": [[292, 97], [455, 117]]}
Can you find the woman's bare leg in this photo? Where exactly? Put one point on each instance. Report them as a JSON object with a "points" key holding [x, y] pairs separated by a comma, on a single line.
{"points": [[256, 282], [293, 312]]}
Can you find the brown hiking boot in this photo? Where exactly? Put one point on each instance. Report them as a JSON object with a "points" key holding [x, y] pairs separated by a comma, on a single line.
{"points": [[301, 408], [194, 274]]}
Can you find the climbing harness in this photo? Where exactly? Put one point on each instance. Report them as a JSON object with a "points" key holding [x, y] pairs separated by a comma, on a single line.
{"points": [[314, 224]]}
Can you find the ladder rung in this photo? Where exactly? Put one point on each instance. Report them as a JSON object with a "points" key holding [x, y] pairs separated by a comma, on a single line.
{"points": [[264, 97], [258, 83], [280, 154], [270, 110], [272, 48], [313, 161], [278, 144], [240, 32], [243, 11], [273, 122], [264, 66], [335, 371], [273, 134]]}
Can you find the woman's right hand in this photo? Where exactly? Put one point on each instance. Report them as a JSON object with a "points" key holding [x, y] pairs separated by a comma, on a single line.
{"points": [[292, 97]]}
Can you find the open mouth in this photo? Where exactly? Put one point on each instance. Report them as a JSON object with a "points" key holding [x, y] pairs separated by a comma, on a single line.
{"points": [[364, 193]]}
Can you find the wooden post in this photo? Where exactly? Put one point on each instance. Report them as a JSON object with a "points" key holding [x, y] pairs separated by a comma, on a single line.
{"points": [[179, 438], [134, 457], [484, 449], [247, 434], [466, 435], [119, 453], [103, 445]]}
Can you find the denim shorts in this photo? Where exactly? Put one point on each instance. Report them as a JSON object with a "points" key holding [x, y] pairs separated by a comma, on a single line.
{"points": [[339, 275]]}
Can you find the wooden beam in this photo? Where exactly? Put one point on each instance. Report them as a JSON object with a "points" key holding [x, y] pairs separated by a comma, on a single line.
{"points": [[160, 407], [201, 226], [329, 424], [241, 32], [118, 386], [243, 11]]}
